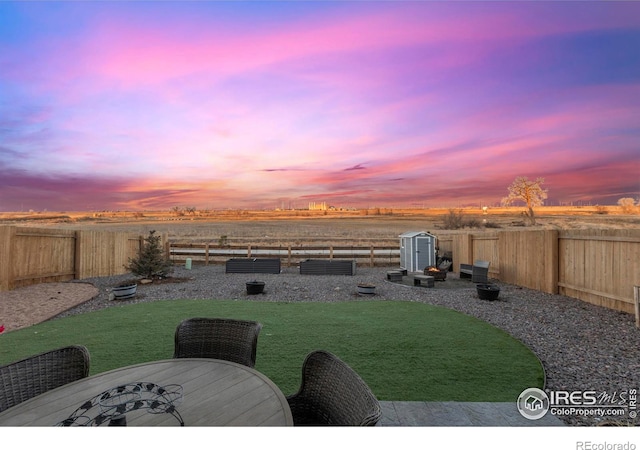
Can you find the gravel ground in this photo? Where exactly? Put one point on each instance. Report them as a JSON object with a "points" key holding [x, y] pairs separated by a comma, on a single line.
{"points": [[581, 346]]}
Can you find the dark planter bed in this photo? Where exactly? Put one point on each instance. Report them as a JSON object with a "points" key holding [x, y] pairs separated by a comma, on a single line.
{"points": [[327, 267], [253, 265]]}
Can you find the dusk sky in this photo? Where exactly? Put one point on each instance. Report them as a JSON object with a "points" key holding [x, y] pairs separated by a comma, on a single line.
{"points": [[146, 105]]}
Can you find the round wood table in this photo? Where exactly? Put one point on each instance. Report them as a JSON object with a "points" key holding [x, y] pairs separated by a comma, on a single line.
{"points": [[175, 392]]}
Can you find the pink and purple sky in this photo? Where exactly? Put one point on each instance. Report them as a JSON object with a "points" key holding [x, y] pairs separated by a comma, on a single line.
{"points": [[147, 105]]}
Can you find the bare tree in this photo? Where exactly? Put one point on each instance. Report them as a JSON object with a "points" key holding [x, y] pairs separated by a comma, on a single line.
{"points": [[627, 204], [177, 211], [454, 220], [528, 191]]}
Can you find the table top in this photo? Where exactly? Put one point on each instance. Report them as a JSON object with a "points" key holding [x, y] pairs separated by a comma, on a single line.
{"points": [[193, 391]]}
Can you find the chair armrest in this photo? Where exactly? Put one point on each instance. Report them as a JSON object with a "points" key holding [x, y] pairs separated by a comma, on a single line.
{"points": [[466, 270]]}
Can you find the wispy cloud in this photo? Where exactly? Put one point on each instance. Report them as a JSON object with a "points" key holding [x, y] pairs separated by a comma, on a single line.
{"points": [[356, 167]]}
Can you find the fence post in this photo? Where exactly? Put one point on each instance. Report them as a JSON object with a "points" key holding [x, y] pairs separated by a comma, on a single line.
{"points": [[289, 255], [462, 250], [77, 255], [636, 301], [6, 238], [551, 262], [372, 255], [206, 254], [166, 245], [249, 251]]}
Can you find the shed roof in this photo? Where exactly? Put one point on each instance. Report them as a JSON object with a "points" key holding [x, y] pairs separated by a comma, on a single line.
{"points": [[410, 234]]}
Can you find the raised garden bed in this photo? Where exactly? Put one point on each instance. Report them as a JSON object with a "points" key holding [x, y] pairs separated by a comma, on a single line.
{"points": [[253, 265], [327, 267]]}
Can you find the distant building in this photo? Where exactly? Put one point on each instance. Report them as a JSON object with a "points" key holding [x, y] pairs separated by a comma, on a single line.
{"points": [[321, 206]]}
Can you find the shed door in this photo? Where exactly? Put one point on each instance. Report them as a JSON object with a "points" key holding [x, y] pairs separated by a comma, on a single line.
{"points": [[424, 252]]}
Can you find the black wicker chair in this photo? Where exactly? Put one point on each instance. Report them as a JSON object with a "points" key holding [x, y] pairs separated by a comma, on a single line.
{"points": [[37, 374], [332, 393], [227, 339]]}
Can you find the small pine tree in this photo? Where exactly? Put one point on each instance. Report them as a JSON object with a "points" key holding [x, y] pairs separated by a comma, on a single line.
{"points": [[151, 261]]}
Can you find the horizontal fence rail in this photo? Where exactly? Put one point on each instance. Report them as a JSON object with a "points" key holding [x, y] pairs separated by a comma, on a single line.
{"points": [[372, 255]]}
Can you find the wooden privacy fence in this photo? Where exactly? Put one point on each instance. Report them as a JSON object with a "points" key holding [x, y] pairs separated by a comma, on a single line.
{"points": [[597, 266], [376, 254], [36, 255]]}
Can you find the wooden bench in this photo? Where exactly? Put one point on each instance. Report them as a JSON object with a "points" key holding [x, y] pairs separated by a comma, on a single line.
{"points": [[424, 280]]}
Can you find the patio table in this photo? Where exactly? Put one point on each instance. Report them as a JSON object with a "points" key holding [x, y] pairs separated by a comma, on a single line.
{"points": [[174, 392]]}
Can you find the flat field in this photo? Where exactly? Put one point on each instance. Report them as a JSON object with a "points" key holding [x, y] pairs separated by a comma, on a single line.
{"points": [[382, 224]]}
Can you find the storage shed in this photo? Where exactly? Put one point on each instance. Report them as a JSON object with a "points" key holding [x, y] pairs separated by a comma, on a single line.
{"points": [[417, 250]]}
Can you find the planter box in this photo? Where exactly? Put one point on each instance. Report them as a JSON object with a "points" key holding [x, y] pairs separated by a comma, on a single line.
{"points": [[327, 267], [253, 265]]}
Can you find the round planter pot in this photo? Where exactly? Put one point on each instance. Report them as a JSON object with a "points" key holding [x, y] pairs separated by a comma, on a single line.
{"points": [[366, 289], [124, 292], [487, 291], [255, 287]]}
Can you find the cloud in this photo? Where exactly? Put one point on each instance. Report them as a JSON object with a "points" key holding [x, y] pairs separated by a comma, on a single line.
{"points": [[356, 167]]}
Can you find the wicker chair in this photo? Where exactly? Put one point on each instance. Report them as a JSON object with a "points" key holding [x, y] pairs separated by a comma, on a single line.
{"points": [[478, 272], [228, 339], [332, 393], [37, 374]]}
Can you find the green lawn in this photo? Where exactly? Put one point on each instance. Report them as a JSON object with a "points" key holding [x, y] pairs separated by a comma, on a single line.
{"points": [[403, 350]]}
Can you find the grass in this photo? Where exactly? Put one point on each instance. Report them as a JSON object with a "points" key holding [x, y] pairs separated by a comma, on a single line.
{"points": [[404, 351]]}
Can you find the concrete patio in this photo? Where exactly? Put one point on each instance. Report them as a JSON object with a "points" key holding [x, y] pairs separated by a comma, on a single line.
{"points": [[451, 414]]}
